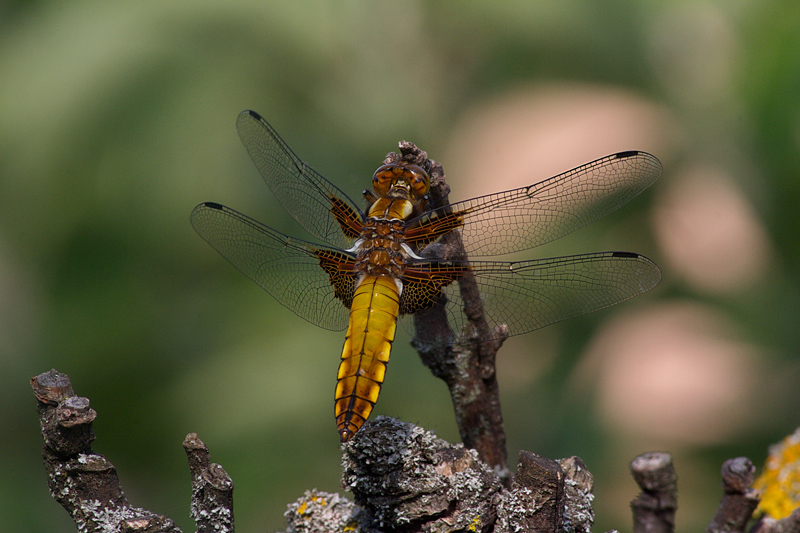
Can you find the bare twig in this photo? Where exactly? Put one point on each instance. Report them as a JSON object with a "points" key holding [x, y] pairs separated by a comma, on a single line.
{"points": [[468, 367], [654, 508], [83, 482], [212, 489], [86, 483], [738, 499]]}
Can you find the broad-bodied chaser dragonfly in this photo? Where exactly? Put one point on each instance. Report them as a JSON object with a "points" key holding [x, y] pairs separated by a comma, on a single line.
{"points": [[378, 266]]}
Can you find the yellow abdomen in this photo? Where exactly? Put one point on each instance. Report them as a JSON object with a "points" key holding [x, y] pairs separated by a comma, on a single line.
{"points": [[373, 319]]}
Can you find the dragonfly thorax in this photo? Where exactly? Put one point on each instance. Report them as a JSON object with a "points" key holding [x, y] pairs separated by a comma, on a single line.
{"points": [[381, 248]]}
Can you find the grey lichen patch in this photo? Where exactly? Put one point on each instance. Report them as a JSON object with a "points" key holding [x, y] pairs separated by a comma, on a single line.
{"points": [[578, 515], [406, 479], [514, 510], [97, 516], [322, 511], [404, 476], [217, 517]]}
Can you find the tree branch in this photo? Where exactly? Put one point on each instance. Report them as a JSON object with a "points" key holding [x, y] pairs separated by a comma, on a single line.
{"points": [[212, 489], [738, 499], [468, 366], [403, 479], [86, 483], [654, 508], [400, 474]]}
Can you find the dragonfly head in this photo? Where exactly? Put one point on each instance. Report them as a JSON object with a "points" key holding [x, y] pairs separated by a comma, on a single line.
{"points": [[401, 180]]}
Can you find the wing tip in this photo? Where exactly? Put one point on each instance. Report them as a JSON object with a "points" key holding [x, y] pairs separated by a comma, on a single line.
{"points": [[629, 255], [250, 113], [197, 212], [246, 117], [637, 153], [651, 276]]}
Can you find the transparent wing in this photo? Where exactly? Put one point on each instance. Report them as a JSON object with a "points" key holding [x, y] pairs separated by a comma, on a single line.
{"points": [[313, 281], [528, 295], [317, 204], [523, 218]]}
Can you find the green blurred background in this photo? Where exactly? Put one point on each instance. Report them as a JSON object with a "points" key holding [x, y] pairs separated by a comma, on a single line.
{"points": [[117, 118]]}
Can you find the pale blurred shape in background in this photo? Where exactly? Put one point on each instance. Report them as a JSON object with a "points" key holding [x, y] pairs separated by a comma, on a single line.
{"points": [[711, 236], [538, 131], [674, 373]]}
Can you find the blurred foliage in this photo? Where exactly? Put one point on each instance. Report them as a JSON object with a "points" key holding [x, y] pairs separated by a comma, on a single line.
{"points": [[117, 118]]}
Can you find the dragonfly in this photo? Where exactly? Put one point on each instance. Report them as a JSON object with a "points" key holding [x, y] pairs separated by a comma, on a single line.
{"points": [[380, 265]]}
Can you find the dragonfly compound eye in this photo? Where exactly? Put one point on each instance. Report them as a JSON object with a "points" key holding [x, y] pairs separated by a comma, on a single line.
{"points": [[383, 178], [419, 181]]}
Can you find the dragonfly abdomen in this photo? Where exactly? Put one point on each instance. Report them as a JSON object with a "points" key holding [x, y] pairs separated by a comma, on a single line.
{"points": [[373, 320]]}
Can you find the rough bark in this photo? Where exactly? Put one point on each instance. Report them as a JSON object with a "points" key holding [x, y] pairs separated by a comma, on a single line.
{"points": [[467, 365], [86, 483], [212, 489], [790, 524], [403, 478], [654, 508], [738, 499]]}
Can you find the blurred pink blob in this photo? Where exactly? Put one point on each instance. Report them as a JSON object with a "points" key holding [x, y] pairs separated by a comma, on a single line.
{"points": [[539, 131], [709, 233], [672, 373]]}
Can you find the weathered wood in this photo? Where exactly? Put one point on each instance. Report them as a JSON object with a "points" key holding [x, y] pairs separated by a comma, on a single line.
{"points": [[86, 483], [654, 508]]}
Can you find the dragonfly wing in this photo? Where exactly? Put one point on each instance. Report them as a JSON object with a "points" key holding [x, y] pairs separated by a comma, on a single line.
{"points": [[315, 282], [317, 204], [523, 218], [518, 297]]}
